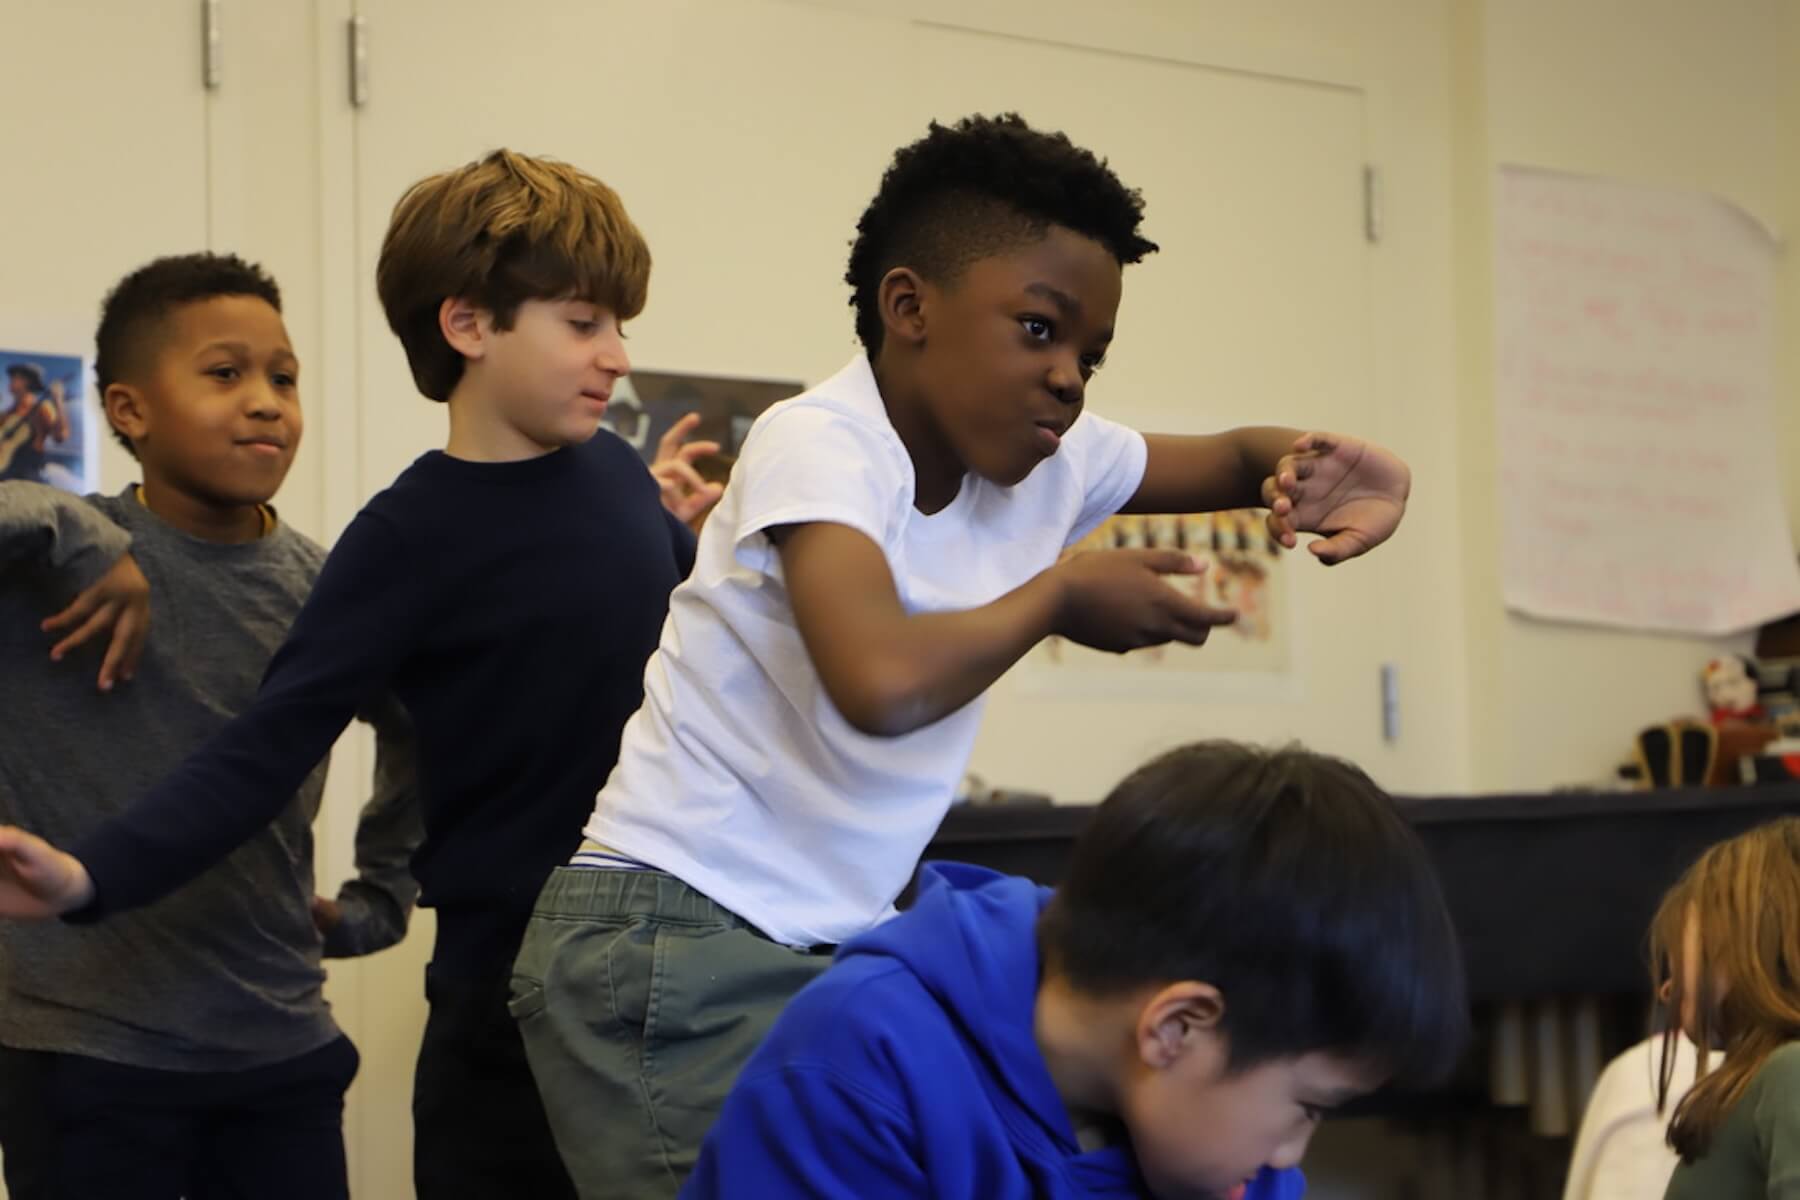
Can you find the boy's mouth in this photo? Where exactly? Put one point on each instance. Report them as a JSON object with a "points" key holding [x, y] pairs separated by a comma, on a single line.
{"points": [[1049, 436], [263, 445]]}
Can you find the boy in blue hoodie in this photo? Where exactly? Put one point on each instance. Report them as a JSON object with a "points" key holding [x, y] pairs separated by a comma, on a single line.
{"points": [[1245, 940]]}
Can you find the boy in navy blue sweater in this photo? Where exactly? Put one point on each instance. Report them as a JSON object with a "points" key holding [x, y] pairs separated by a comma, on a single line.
{"points": [[1244, 940]]}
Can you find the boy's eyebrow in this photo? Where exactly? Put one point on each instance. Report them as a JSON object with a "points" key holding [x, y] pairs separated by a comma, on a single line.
{"points": [[241, 349], [1067, 303]]}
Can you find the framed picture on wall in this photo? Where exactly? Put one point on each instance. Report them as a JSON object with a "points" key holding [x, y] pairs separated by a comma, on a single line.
{"points": [[1246, 570], [646, 403], [46, 431]]}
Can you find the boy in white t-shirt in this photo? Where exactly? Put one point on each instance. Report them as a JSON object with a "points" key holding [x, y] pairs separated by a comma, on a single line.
{"points": [[888, 546]]}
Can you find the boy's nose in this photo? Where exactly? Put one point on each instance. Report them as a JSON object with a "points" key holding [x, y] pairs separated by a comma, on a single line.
{"points": [[611, 356], [261, 401], [1291, 1151]]}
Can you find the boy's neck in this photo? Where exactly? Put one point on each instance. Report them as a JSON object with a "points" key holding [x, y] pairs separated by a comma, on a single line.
{"points": [[226, 524], [478, 431], [1081, 1039], [937, 472]]}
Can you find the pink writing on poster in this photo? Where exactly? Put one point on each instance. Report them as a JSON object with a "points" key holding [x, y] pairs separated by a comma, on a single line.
{"points": [[1634, 352]]}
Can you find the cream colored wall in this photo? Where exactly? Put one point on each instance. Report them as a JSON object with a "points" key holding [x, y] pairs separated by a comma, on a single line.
{"points": [[1663, 91], [1685, 95]]}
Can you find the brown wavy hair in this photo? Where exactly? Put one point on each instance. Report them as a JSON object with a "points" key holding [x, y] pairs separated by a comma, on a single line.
{"points": [[497, 232], [1743, 896]]}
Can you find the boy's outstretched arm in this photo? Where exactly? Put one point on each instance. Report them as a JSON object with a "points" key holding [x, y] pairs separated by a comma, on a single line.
{"points": [[371, 912], [48, 526], [1354, 492], [890, 672]]}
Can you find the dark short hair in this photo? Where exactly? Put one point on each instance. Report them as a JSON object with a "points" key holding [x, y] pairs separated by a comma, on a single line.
{"points": [[497, 232], [980, 187], [134, 314], [1286, 879]]}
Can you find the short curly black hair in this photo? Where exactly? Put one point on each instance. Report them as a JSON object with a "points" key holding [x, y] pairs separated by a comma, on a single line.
{"points": [[979, 187], [134, 311]]}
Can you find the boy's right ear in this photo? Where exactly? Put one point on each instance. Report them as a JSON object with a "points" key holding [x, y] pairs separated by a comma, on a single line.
{"points": [[900, 300], [466, 326], [126, 410]]}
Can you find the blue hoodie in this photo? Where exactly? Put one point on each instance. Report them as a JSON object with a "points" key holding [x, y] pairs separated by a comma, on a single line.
{"points": [[910, 1069]]}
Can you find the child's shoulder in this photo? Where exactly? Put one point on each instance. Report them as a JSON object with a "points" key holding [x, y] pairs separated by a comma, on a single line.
{"points": [[860, 1008], [828, 427], [1782, 1070], [306, 555]]}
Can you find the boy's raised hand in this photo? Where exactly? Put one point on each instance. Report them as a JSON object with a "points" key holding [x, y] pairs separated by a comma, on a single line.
{"points": [[1120, 600], [118, 601], [1354, 492], [36, 879], [684, 492]]}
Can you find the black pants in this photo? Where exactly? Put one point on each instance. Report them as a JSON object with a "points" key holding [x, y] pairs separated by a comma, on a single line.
{"points": [[479, 1130], [76, 1128]]}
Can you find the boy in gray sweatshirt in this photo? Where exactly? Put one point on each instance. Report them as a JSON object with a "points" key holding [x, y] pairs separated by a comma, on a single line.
{"points": [[185, 1049]]}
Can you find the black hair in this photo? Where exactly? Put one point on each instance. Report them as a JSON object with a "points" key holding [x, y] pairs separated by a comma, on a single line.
{"points": [[977, 188], [1286, 879], [134, 311]]}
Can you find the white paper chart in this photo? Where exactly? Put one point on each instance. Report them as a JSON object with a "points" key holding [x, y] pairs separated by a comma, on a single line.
{"points": [[1634, 346]]}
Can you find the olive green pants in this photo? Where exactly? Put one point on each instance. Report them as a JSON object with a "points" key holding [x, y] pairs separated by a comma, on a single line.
{"points": [[640, 1000]]}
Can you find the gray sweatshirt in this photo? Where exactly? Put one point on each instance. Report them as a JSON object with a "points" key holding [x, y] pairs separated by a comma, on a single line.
{"points": [[224, 974]]}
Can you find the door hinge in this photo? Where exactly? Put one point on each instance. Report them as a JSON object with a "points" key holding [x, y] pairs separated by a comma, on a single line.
{"points": [[359, 61], [211, 45], [1372, 204]]}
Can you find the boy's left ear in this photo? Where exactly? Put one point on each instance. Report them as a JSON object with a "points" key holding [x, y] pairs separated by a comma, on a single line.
{"points": [[1178, 1020]]}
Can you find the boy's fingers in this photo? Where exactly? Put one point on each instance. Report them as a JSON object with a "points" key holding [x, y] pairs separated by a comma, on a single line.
{"points": [[121, 652], [1338, 547], [697, 502], [1170, 562], [670, 442], [1196, 615], [95, 624], [134, 652], [79, 609], [696, 450], [679, 474]]}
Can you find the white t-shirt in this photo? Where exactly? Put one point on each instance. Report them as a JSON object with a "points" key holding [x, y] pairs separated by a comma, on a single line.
{"points": [[738, 775]]}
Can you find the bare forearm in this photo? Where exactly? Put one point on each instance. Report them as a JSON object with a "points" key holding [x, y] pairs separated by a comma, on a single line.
{"points": [[1212, 472]]}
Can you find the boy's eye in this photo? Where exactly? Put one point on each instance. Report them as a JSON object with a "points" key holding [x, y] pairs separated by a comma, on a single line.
{"points": [[284, 380], [1092, 362], [1037, 328], [224, 371], [586, 328], [1314, 1112]]}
